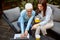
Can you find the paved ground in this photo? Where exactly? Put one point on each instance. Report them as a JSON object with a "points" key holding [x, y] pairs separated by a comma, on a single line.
{"points": [[5, 31]]}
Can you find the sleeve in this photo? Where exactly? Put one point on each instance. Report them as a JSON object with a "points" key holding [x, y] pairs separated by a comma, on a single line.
{"points": [[21, 20], [30, 20], [47, 17]]}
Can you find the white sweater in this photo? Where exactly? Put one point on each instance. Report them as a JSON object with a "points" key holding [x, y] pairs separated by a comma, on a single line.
{"points": [[46, 18]]}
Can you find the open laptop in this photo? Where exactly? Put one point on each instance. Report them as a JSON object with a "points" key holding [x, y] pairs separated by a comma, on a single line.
{"points": [[17, 37]]}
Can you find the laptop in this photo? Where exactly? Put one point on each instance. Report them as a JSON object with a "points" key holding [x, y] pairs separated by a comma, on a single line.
{"points": [[18, 37]]}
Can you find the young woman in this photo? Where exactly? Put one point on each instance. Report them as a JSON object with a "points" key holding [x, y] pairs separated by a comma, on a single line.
{"points": [[44, 14], [25, 19]]}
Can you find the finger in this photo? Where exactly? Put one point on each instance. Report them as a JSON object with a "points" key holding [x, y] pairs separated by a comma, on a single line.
{"points": [[32, 28], [24, 34]]}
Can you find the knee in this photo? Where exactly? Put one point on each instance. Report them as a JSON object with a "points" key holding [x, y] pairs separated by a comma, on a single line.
{"points": [[18, 23], [42, 28]]}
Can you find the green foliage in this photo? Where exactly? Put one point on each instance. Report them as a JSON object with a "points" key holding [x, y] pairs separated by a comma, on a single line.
{"points": [[10, 0], [34, 2], [54, 2], [22, 5]]}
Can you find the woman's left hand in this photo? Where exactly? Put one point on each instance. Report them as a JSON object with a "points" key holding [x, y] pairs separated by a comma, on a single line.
{"points": [[34, 26]]}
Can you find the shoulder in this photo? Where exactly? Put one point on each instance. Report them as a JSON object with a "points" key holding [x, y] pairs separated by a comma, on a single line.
{"points": [[49, 8], [33, 12], [23, 12]]}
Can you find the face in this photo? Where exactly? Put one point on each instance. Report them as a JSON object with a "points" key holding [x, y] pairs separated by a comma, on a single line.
{"points": [[40, 7], [29, 12]]}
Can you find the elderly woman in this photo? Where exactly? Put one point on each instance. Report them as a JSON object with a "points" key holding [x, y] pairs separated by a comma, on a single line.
{"points": [[25, 19], [44, 17]]}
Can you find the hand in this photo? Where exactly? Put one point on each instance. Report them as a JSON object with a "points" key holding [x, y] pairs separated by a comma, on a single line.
{"points": [[34, 26], [26, 33], [22, 36]]}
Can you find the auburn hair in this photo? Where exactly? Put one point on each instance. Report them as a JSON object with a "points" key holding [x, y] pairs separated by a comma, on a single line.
{"points": [[44, 4]]}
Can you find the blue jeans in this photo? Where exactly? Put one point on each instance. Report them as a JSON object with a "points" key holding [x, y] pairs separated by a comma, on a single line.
{"points": [[25, 24]]}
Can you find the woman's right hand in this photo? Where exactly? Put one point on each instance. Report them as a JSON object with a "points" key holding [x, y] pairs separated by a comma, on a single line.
{"points": [[22, 35], [35, 26]]}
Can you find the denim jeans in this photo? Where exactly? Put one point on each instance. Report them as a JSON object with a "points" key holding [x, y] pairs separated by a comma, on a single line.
{"points": [[25, 24]]}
